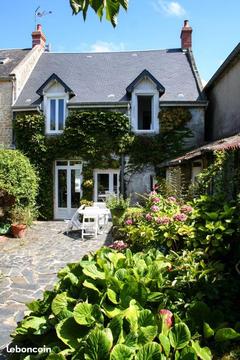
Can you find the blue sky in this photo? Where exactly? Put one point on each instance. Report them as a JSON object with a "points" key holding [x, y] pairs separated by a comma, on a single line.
{"points": [[148, 24]]}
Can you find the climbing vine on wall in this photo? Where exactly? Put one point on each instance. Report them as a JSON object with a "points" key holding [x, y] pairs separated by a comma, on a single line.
{"points": [[169, 143], [98, 139]]}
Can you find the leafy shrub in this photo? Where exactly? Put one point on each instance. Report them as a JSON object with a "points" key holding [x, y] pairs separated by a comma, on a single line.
{"points": [[206, 223], [127, 306], [18, 178]]}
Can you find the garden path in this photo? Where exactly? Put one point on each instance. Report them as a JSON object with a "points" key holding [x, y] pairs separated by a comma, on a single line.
{"points": [[29, 266]]}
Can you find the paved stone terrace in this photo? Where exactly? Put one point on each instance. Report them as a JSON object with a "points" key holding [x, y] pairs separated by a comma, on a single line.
{"points": [[29, 266]]}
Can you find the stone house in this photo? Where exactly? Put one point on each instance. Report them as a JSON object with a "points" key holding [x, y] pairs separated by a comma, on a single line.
{"points": [[222, 121], [16, 66], [137, 83]]}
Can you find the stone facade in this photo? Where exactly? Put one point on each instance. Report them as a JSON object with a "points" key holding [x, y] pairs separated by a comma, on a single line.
{"points": [[6, 93], [10, 87]]}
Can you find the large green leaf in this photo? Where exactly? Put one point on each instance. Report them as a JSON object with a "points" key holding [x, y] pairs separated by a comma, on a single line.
{"points": [[117, 257], [226, 334], [98, 344], [112, 296], [92, 272], [121, 352], [69, 332], [90, 285], [62, 305], [164, 341], [150, 351], [87, 314], [207, 331], [202, 353], [188, 353], [179, 336], [53, 356], [148, 327], [33, 324], [116, 326]]}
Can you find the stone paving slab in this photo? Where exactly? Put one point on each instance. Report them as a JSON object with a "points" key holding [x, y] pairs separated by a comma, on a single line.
{"points": [[29, 266]]}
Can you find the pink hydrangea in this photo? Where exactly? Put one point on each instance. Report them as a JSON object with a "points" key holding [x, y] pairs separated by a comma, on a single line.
{"points": [[156, 200], [118, 245], [172, 199], [167, 317], [149, 217], [186, 209], [164, 220], [154, 208], [129, 222], [180, 217], [152, 193]]}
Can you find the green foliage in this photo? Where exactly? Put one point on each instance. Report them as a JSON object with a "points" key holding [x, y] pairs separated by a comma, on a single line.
{"points": [[173, 118], [92, 137], [111, 7], [169, 143], [107, 306], [208, 223], [18, 179]]}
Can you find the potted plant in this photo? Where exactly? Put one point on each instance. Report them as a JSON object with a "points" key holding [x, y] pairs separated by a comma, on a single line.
{"points": [[117, 206], [20, 218]]}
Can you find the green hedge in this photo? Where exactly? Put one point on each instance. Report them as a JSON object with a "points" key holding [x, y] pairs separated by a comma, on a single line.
{"points": [[18, 177]]}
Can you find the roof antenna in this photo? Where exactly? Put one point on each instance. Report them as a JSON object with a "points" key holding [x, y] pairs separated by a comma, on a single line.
{"points": [[39, 13]]}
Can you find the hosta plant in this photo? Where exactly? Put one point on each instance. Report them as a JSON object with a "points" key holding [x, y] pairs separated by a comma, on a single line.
{"points": [[120, 306]]}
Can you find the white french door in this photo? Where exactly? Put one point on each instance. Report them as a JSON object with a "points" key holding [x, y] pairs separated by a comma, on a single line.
{"points": [[68, 179], [106, 183]]}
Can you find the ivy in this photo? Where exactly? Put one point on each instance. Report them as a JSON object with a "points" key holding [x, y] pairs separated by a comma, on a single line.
{"points": [[169, 143], [99, 139]]}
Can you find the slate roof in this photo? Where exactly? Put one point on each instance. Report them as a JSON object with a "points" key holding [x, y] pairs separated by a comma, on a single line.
{"points": [[15, 56], [104, 77]]}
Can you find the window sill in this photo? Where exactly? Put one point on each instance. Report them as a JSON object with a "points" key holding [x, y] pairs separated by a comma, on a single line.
{"points": [[54, 132], [144, 131]]}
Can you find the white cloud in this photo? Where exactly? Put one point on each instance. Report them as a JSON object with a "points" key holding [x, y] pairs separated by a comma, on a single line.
{"points": [[104, 46], [170, 8]]}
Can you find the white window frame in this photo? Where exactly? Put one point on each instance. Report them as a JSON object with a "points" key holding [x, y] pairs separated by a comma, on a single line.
{"points": [[47, 111], [155, 110], [111, 173]]}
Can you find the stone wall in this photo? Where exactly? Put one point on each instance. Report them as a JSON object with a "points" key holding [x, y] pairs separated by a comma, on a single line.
{"points": [[9, 91], [23, 70], [5, 113]]}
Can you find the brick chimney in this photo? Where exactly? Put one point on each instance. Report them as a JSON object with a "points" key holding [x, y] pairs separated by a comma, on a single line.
{"points": [[38, 37], [186, 36]]}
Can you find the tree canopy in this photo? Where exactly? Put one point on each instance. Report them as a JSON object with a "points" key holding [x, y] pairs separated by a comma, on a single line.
{"points": [[110, 7]]}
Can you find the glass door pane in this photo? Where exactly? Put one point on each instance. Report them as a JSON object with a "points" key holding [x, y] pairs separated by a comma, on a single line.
{"points": [[75, 188], [115, 184], [102, 186], [62, 188]]}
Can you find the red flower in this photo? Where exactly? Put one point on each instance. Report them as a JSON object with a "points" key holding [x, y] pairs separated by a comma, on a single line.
{"points": [[167, 317]]}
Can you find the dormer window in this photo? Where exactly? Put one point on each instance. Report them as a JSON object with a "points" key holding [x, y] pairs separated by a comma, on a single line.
{"points": [[56, 114], [145, 92], [55, 94], [145, 113]]}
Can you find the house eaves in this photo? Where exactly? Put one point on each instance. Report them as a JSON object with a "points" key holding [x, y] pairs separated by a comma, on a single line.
{"points": [[234, 55], [145, 74]]}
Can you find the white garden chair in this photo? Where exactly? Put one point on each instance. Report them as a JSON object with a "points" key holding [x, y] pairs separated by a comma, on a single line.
{"points": [[75, 221], [89, 225]]}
